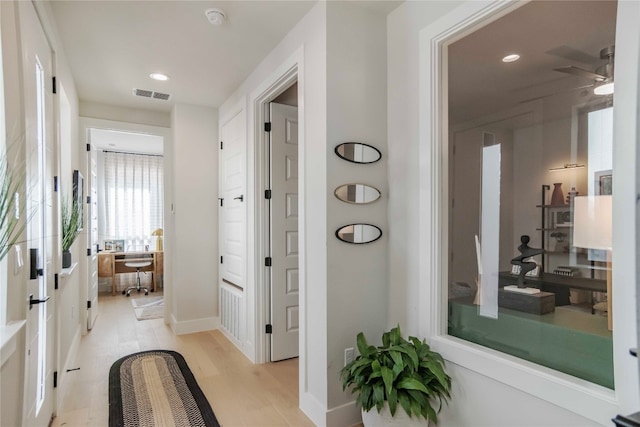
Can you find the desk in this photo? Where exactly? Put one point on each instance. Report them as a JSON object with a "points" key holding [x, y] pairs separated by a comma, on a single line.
{"points": [[557, 284], [112, 263]]}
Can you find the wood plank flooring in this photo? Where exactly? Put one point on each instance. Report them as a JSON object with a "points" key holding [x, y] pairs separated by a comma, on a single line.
{"points": [[240, 393]]}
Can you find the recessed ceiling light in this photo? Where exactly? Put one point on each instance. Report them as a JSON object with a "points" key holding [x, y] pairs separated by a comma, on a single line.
{"points": [[215, 16], [513, 57], [159, 76]]}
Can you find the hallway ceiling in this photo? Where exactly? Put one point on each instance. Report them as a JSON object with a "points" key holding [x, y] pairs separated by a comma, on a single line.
{"points": [[113, 46]]}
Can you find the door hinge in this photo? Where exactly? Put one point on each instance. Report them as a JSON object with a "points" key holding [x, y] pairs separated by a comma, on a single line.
{"points": [[88, 147], [267, 261], [54, 85], [221, 201], [268, 329], [88, 251], [88, 305], [88, 200], [55, 184], [55, 379], [267, 194], [221, 145], [55, 281], [221, 262], [267, 127]]}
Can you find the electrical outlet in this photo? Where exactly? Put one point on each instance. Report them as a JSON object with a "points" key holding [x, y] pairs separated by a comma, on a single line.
{"points": [[349, 355]]}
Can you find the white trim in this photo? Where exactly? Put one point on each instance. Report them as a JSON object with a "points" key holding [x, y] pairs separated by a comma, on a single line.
{"points": [[588, 400], [8, 335], [196, 325], [344, 415], [290, 71], [313, 409]]}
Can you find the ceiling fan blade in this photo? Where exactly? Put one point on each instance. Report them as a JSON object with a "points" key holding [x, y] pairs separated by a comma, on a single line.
{"points": [[555, 93], [576, 71]]}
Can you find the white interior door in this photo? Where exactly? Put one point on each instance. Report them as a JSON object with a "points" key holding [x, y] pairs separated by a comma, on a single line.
{"points": [[37, 69], [233, 267], [92, 235], [284, 231]]}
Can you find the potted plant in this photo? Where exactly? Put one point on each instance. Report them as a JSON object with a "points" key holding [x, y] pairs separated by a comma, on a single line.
{"points": [[403, 380], [71, 226], [12, 204]]}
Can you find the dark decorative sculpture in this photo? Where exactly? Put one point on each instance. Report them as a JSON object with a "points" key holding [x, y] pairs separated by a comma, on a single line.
{"points": [[525, 252]]}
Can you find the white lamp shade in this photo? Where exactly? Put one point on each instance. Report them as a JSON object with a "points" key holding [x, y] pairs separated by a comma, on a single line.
{"points": [[592, 222]]}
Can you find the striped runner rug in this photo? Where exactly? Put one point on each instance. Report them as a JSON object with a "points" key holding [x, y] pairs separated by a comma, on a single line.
{"points": [[155, 389]]}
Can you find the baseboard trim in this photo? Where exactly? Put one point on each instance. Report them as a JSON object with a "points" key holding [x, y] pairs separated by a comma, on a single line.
{"points": [[313, 409], [196, 325], [344, 415], [68, 364]]}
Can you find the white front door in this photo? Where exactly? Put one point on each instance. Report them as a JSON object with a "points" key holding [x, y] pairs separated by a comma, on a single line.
{"points": [[92, 237], [38, 103], [284, 231]]}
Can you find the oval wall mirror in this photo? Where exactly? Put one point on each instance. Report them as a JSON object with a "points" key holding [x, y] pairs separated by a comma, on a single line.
{"points": [[357, 193], [358, 233], [358, 152]]}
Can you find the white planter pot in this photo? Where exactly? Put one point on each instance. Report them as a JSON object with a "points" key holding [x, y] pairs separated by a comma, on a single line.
{"points": [[384, 418]]}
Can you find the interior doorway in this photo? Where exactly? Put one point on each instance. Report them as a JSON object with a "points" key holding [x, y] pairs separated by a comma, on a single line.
{"points": [[282, 211], [106, 142]]}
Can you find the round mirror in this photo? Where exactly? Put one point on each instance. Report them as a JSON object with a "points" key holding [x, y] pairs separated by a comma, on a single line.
{"points": [[358, 152], [357, 193], [358, 233]]}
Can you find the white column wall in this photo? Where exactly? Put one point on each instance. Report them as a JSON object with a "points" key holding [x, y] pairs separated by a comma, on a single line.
{"points": [[194, 236], [357, 275]]}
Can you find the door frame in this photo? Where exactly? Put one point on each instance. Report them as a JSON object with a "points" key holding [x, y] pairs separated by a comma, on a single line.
{"points": [[290, 72], [87, 123]]}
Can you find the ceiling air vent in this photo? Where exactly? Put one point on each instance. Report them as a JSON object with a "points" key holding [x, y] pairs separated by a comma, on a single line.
{"points": [[160, 95], [151, 94]]}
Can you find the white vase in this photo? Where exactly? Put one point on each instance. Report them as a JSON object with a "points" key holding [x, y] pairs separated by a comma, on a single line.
{"points": [[384, 419]]}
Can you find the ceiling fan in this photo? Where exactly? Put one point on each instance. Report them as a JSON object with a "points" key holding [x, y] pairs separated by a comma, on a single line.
{"points": [[602, 77]]}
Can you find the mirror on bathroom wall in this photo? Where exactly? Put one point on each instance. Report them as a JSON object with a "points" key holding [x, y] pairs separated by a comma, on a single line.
{"points": [[357, 152], [358, 233], [357, 193]]}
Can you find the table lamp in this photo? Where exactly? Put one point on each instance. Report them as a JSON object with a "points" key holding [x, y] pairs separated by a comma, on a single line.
{"points": [[158, 233], [592, 225]]}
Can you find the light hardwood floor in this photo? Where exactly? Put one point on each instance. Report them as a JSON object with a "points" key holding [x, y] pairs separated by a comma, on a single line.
{"points": [[240, 393]]}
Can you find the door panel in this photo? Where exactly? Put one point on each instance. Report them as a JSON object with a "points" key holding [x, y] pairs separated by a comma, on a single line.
{"points": [[233, 267], [41, 201], [284, 231]]}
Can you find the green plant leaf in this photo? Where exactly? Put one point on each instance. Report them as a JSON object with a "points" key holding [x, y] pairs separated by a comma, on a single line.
{"points": [[392, 399], [386, 340], [403, 398], [387, 377], [412, 384], [378, 393], [409, 351], [438, 371], [397, 357], [363, 347]]}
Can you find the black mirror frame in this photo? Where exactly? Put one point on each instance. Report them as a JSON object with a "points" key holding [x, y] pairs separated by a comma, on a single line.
{"points": [[358, 243], [353, 161]]}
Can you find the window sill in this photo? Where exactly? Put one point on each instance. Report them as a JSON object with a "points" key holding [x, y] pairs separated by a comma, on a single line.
{"points": [[8, 334], [66, 272], [579, 396]]}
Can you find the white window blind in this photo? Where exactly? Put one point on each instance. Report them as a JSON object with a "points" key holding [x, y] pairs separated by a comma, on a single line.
{"points": [[134, 198]]}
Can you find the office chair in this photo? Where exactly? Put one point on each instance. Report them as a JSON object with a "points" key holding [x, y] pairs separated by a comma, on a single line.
{"points": [[138, 264]]}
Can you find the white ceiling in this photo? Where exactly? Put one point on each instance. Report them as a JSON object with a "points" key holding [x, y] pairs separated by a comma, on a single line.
{"points": [[113, 46], [547, 35]]}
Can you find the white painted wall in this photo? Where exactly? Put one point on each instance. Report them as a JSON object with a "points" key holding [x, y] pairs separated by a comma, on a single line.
{"points": [[122, 114], [193, 237], [357, 275], [403, 25]]}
